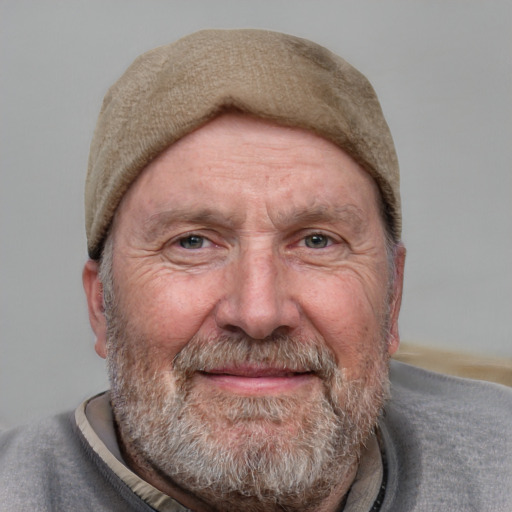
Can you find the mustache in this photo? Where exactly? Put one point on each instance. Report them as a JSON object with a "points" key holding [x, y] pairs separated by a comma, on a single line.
{"points": [[294, 354]]}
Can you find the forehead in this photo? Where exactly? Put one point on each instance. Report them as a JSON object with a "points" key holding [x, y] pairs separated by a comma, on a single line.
{"points": [[236, 159]]}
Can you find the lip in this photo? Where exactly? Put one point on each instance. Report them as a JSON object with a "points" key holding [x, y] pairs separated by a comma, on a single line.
{"points": [[256, 380]]}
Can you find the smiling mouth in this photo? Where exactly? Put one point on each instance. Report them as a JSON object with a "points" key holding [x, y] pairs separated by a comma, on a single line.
{"points": [[255, 372], [255, 380]]}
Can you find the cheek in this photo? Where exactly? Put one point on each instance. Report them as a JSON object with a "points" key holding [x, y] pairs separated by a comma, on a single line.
{"points": [[169, 308], [348, 315]]}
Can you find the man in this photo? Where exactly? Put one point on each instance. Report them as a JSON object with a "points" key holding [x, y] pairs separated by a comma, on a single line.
{"points": [[244, 284]]}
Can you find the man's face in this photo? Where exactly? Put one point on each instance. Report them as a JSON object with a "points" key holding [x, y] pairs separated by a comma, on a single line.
{"points": [[252, 295]]}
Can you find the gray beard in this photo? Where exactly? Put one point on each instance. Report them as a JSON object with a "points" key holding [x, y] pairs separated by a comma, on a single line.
{"points": [[235, 452]]}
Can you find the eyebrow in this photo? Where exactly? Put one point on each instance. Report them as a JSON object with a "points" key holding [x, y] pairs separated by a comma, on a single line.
{"points": [[157, 224], [348, 214]]}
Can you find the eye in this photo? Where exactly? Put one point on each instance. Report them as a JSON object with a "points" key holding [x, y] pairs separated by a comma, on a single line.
{"points": [[194, 242], [317, 241]]}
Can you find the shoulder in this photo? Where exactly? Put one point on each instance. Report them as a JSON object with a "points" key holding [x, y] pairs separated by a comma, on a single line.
{"points": [[31, 459], [35, 441], [473, 414], [48, 466], [449, 441], [433, 393], [28, 456]]}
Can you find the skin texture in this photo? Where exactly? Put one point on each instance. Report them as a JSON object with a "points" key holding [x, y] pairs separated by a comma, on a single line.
{"points": [[244, 228]]}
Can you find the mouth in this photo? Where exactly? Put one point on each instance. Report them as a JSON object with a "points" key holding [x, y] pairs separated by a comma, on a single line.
{"points": [[256, 380]]}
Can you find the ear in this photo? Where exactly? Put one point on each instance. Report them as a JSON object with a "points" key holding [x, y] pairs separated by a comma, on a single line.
{"points": [[396, 299], [94, 292]]}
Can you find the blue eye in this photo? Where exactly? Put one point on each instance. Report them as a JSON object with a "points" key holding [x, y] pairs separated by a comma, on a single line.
{"points": [[317, 241], [192, 242]]}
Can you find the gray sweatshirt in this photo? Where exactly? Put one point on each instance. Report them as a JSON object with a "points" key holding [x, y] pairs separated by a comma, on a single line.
{"points": [[447, 445]]}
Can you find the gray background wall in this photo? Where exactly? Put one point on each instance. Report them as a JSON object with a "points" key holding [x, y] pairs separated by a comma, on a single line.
{"points": [[442, 70]]}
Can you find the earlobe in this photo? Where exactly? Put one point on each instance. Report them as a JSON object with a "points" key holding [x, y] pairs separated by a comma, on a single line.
{"points": [[94, 293], [396, 301]]}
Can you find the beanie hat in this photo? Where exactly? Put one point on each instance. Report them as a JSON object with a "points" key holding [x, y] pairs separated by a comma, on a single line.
{"points": [[172, 90]]}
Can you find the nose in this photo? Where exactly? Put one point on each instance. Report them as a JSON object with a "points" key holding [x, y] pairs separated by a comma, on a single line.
{"points": [[258, 299]]}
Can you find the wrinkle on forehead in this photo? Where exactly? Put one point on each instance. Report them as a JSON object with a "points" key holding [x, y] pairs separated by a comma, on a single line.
{"points": [[240, 173]]}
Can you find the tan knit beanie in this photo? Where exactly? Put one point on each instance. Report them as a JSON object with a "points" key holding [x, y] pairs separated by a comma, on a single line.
{"points": [[172, 90]]}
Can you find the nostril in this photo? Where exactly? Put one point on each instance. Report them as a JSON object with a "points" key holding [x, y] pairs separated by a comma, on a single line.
{"points": [[232, 328], [281, 331]]}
